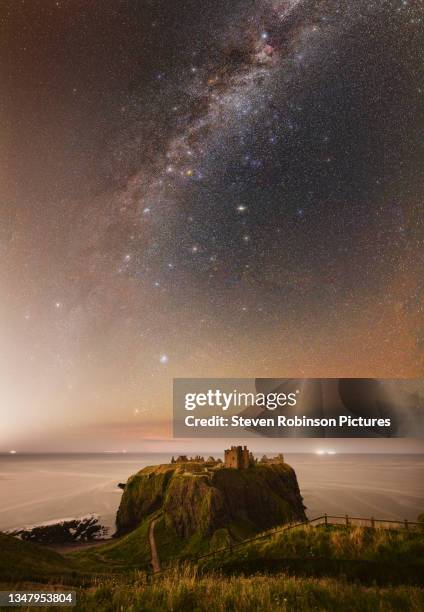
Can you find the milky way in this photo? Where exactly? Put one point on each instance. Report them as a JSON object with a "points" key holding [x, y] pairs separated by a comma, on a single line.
{"points": [[208, 189]]}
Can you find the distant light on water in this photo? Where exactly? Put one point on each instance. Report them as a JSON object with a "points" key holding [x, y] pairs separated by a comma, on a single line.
{"points": [[325, 452], [12, 452]]}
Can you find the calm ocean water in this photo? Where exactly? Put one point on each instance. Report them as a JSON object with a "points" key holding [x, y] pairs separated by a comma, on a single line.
{"points": [[39, 488]]}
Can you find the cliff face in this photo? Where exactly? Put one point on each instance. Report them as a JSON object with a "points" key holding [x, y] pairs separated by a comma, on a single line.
{"points": [[195, 501]]}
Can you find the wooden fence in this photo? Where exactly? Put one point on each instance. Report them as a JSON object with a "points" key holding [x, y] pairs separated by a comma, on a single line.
{"points": [[325, 519]]}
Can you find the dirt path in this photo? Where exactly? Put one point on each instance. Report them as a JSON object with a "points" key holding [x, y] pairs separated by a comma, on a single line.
{"points": [[155, 556]]}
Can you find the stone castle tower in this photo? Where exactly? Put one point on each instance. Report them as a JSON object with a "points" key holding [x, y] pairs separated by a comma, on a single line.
{"points": [[238, 457]]}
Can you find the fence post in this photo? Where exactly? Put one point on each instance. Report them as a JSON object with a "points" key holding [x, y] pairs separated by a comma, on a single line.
{"points": [[325, 519], [406, 524], [347, 521], [372, 522]]}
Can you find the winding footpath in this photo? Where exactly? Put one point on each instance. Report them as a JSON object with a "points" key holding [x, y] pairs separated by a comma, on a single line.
{"points": [[152, 541]]}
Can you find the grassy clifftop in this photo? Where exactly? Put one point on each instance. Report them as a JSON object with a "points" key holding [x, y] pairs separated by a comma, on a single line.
{"points": [[144, 493], [197, 500]]}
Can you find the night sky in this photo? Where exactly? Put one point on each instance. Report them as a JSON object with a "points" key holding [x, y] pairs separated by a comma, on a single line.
{"points": [[203, 188]]}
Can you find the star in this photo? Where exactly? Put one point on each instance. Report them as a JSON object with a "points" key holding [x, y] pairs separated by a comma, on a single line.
{"points": [[273, 159]]}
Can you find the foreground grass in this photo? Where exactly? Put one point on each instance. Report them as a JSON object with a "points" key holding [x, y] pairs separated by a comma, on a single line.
{"points": [[367, 555], [307, 568], [184, 589], [340, 542], [333, 543]]}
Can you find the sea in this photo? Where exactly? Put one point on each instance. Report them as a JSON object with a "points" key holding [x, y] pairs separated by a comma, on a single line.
{"points": [[36, 489]]}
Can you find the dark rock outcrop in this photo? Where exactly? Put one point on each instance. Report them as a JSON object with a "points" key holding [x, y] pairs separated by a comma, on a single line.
{"points": [[195, 500], [85, 529]]}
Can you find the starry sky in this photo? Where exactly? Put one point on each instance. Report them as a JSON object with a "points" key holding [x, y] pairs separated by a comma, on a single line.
{"points": [[202, 188]]}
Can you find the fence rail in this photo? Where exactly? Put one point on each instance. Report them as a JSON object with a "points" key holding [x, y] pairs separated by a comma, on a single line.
{"points": [[325, 519], [361, 521]]}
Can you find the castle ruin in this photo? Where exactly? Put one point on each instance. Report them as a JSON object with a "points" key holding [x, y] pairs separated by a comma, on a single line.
{"points": [[185, 459], [273, 460], [238, 457]]}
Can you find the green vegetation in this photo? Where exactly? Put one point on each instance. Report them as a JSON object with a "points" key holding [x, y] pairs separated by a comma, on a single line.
{"points": [[197, 512], [143, 494], [27, 561], [304, 568], [126, 553], [132, 551], [340, 542], [86, 529], [184, 589], [385, 556], [198, 501]]}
